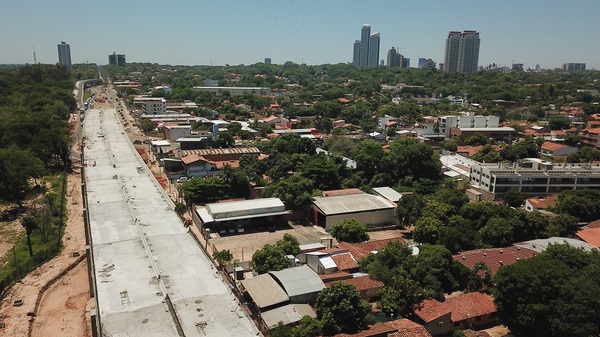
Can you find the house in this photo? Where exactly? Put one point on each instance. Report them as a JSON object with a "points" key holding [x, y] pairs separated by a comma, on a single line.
{"points": [[555, 149], [329, 261], [591, 137], [363, 249], [366, 286], [276, 120], [590, 235], [396, 328], [493, 257], [466, 311], [540, 203], [198, 166]]}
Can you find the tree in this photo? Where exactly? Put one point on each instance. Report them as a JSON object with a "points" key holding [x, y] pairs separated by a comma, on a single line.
{"points": [[513, 198], [559, 122], [341, 309], [269, 258], [147, 125], [551, 294], [289, 244], [30, 223], [350, 230], [180, 208], [16, 168], [223, 256], [476, 140], [295, 191], [409, 208]]}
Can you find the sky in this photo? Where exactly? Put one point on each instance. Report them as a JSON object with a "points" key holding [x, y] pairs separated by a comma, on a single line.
{"points": [[218, 32]]}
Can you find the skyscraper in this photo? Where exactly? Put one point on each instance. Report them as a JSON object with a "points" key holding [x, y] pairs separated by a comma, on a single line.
{"points": [[356, 54], [373, 56], [366, 50], [462, 52], [64, 55], [365, 33], [116, 60], [394, 59]]}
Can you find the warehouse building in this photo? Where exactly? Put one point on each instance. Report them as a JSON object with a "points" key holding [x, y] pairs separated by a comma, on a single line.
{"points": [[235, 215], [371, 210]]}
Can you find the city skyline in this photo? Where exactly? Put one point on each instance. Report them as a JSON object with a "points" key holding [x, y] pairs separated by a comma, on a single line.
{"points": [[237, 32]]}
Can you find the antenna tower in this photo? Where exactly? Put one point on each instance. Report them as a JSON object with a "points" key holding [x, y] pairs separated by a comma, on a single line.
{"points": [[34, 57]]}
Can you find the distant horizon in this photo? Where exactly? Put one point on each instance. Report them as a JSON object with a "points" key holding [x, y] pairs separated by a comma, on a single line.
{"points": [[312, 32]]}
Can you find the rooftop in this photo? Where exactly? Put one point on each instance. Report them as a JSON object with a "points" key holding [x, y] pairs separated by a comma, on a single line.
{"points": [[460, 307], [591, 236], [264, 291], [298, 280], [351, 203], [494, 257]]}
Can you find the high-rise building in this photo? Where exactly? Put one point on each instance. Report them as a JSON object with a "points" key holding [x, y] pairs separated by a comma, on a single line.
{"points": [[373, 58], [422, 61], [356, 54], [462, 52], [405, 62], [365, 33], [64, 55], [116, 60], [573, 66], [267, 60], [394, 59]]}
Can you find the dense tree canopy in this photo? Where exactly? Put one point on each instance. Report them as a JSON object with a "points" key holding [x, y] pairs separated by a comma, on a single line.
{"points": [[341, 309], [551, 294], [350, 230]]}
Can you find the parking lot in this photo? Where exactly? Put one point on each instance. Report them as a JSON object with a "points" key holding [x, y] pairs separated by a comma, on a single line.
{"points": [[243, 245]]}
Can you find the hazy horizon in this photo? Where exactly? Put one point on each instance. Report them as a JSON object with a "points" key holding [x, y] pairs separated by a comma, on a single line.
{"points": [[241, 32]]}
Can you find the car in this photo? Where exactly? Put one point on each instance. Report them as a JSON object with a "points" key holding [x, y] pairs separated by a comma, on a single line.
{"points": [[240, 228], [182, 179], [231, 230]]}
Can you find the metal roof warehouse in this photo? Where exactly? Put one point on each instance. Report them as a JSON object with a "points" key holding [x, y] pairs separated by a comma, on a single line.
{"points": [[371, 210]]}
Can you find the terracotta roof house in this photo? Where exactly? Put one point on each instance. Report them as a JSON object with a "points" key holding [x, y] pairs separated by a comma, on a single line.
{"points": [[363, 249], [540, 203], [366, 286], [397, 328], [591, 236], [465, 311], [591, 137], [556, 149], [493, 257]]}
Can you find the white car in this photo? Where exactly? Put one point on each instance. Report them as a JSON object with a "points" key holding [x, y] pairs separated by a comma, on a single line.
{"points": [[240, 228], [182, 179]]}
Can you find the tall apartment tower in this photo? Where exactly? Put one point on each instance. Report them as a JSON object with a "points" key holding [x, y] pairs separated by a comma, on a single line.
{"points": [[373, 57], [394, 59], [116, 60], [365, 33], [64, 55], [356, 54], [462, 52]]}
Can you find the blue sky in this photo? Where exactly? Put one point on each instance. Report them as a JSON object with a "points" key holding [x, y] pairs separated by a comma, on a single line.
{"points": [[548, 32]]}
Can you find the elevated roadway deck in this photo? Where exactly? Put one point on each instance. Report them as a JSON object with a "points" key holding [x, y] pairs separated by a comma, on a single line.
{"points": [[149, 274]]}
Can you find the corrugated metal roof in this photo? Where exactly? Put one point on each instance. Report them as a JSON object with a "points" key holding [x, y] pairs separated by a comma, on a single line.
{"points": [[264, 290], [327, 262], [299, 280], [287, 314], [245, 207], [388, 193], [351, 203]]}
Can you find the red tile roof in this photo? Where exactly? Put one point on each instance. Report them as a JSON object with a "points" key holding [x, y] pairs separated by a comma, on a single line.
{"points": [[377, 329], [361, 283], [550, 146], [346, 191], [493, 256], [460, 307], [344, 261], [361, 250], [595, 131], [591, 236], [542, 202], [340, 275], [192, 158], [594, 224], [408, 328]]}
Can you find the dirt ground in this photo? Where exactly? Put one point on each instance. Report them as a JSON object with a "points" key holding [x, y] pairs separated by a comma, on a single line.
{"points": [[60, 312]]}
